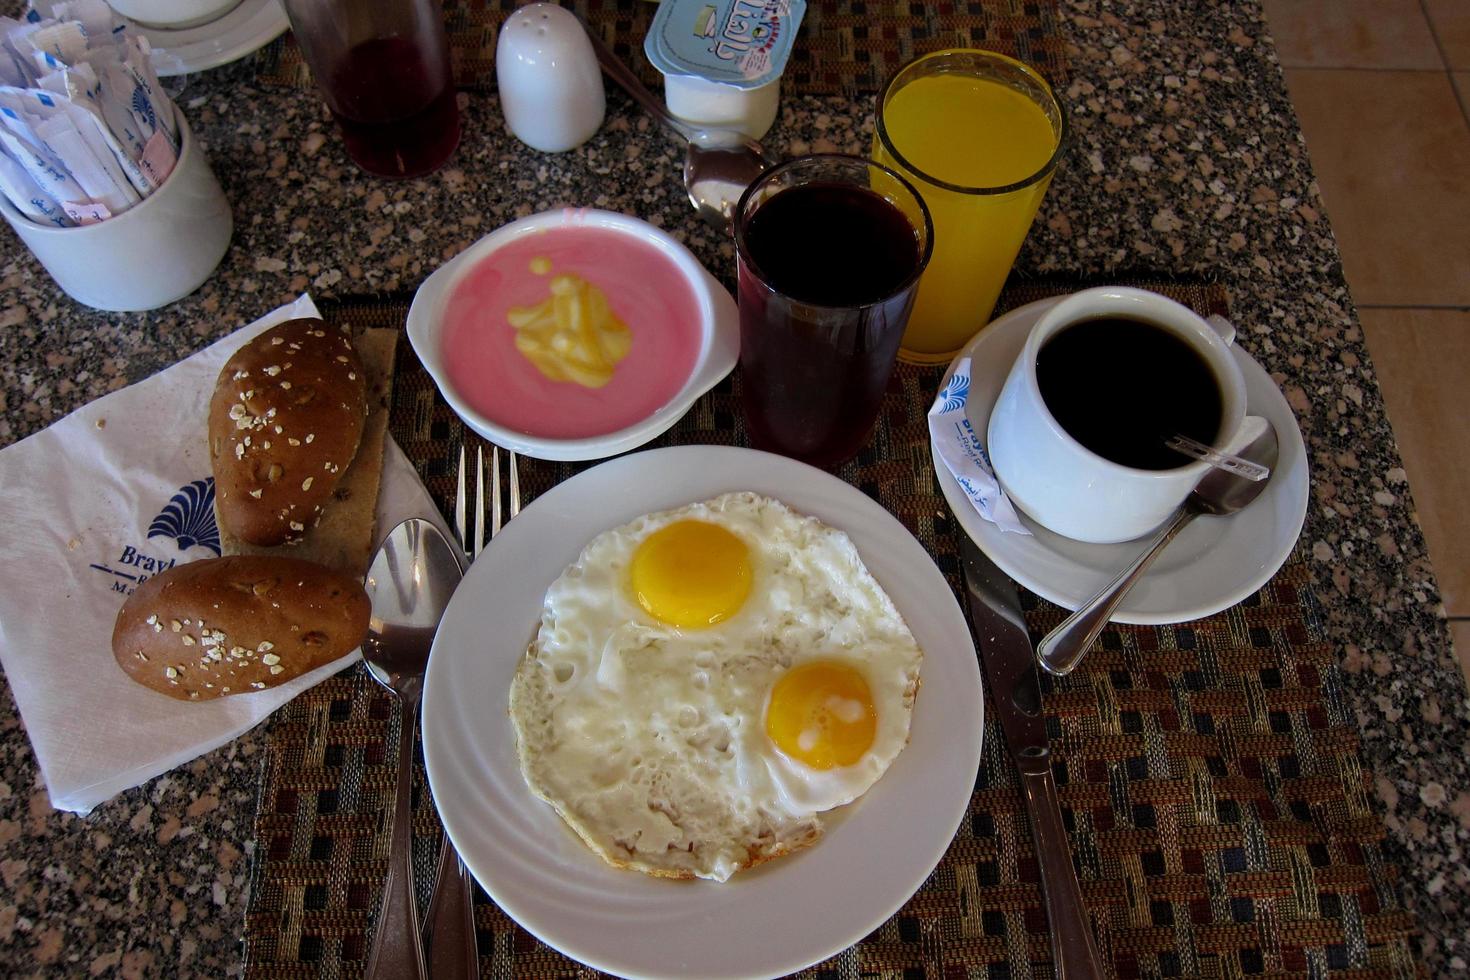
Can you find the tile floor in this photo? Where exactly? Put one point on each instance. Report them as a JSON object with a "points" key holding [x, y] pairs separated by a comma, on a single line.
{"points": [[1382, 88]]}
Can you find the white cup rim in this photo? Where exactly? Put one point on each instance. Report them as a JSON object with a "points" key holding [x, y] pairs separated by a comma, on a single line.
{"points": [[112, 224], [1079, 307]]}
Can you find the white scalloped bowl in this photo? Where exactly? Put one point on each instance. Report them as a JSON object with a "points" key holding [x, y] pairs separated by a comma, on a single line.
{"points": [[719, 325]]}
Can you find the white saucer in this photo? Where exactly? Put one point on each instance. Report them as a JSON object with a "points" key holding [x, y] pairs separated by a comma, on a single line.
{"points": [[247, 27], [1213, 564]]}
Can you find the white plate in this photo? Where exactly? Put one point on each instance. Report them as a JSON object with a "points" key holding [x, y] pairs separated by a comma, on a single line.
{"points": [[779, 917], [247, 27], [1213, 564]]}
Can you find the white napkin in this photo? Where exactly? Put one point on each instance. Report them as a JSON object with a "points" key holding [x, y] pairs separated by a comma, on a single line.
{"points": [[93, 504]]}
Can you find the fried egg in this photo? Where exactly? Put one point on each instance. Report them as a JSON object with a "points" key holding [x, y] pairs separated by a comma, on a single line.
{"points": [[706, 682]]}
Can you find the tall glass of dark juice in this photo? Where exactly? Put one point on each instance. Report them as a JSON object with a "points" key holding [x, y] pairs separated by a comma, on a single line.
{"points": [[383, 68], [829, 249]]}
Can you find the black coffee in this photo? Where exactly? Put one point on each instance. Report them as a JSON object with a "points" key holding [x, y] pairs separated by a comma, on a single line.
{"points": [[1122, 387]]}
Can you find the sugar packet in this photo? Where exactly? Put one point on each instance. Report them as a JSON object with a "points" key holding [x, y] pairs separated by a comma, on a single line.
{"points": [[73, 136], [959, 447], [20, 142], [28, 197], [82, 115], [102, 121]]}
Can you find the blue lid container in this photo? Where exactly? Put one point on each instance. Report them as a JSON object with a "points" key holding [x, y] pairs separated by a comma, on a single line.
{"points": [[744, 43]]}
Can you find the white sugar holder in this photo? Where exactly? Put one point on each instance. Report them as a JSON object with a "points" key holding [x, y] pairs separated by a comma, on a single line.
{"points": [[158, 251]]}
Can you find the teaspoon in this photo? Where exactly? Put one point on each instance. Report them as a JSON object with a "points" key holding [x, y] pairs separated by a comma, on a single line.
{"points": [[409, 583], [718, 165], [1218, 493]]}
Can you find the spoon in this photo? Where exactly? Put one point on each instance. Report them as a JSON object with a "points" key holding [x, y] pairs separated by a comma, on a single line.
{"points": [[1220, 460], [718, 165], [1218, 493], [409, 583]]}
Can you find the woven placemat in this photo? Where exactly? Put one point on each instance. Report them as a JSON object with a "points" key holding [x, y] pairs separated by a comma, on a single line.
{"points": [[1208, 772], [845, 47]]}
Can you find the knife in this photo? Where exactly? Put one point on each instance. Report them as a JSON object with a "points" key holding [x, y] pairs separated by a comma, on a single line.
{"points": [[1010, 667]]}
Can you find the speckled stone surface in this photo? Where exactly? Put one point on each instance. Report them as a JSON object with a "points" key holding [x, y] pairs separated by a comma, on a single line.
{"points": [[1186, 159]]}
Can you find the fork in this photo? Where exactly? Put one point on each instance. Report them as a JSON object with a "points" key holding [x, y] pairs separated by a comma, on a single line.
{"points": [[461, 528], [450, 924]]}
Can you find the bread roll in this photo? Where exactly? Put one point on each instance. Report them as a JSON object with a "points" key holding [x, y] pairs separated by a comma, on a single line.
{"points": [[237, 624], [345, 536], [285, 422]]}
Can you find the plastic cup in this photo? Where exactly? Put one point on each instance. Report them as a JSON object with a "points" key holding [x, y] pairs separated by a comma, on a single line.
{"points": [[829, 251], [979, 135], [383, 69]]}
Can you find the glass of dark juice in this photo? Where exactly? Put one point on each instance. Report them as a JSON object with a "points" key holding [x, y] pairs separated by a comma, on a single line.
{"points": [[829, 251], [383, 68]]}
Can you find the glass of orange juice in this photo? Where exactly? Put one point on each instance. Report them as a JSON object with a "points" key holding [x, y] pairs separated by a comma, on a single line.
{"points": [[979, 135]]}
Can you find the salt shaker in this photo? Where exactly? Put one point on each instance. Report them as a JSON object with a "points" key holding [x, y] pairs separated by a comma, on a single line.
{"points": [[550, 86]]}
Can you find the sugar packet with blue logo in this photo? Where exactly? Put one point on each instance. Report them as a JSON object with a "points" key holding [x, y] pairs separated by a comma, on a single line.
{"points": [[82, 115], [958, 445]]}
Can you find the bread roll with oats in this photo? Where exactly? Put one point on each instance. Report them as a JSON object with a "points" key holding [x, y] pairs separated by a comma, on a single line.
{"points": [[284, 423], [238, 624]]}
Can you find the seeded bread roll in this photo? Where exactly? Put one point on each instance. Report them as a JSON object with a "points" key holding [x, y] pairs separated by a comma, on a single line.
{"points": [[285, 422], [345, 537], [238, 624]]}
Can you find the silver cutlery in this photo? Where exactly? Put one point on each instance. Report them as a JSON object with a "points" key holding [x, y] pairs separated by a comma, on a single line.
{"points": [[1010, 669], [462, 527], [1218, 493], [450, 928], [453, 950], [1238, 465], [409, 583]]}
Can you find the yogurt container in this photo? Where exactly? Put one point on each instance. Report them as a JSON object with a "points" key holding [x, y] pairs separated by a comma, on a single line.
{"points": [[722, 59]]}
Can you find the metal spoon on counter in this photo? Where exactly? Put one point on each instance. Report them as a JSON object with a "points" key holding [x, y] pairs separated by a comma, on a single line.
{"points": [[410, 582], [719, 164], [1219, 492]]}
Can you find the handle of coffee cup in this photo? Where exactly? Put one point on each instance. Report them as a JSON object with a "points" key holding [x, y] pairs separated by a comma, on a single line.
{"points": [[1251, 428], [1222, 326]]}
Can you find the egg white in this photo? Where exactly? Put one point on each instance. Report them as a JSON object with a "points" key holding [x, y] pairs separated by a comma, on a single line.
{"points": [[650, 739]]}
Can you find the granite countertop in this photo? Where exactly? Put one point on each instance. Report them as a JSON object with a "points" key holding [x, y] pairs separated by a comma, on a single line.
{"points": [[1186, 158]]}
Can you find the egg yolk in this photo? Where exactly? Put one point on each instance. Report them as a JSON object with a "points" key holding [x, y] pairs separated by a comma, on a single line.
{"points": [[821, 713], [691, 574]]}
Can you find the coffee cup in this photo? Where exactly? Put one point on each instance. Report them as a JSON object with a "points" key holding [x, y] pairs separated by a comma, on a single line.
{"points": [[1077, 436]]}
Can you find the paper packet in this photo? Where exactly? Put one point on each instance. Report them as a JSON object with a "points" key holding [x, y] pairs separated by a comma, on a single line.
{"points": [[958, 445], [28, 197], [21, 143], [73, 135], [82, 114], [107, 124]]}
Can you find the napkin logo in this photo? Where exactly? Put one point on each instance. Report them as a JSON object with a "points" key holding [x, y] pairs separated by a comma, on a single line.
{"points": [[955, 393], [189, 518]]}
